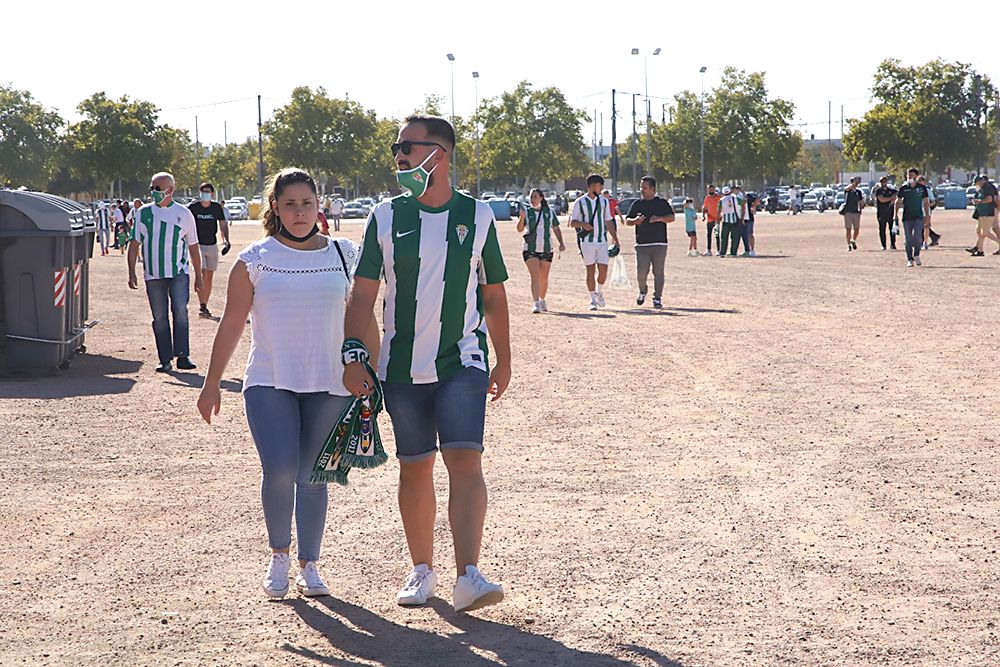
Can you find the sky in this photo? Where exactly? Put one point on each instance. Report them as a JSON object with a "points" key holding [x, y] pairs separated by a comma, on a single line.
{"points": [[212, 59]]}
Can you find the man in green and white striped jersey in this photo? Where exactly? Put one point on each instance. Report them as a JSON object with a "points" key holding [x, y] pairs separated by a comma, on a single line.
{"points": [[438, 252], [165, 233], [592, 219]]}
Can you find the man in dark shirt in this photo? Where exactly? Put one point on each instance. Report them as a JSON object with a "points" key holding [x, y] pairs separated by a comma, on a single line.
{"points": [[208, 216], [914, 200], [885, 198], [985, 201], [650, 216], [854, 201]]}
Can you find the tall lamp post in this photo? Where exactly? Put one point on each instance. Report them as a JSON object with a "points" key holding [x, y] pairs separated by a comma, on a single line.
{"points": [[475, 77], [454, 172], [702, 70], [645, 70]]}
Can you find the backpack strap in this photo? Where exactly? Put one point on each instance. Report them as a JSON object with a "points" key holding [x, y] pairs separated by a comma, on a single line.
{"points": [[343, 262]]}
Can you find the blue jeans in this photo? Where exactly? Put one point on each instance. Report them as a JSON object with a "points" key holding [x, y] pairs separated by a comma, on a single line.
{"points": [[289, 430], [177, 291], [452, 411], [914, 230]]}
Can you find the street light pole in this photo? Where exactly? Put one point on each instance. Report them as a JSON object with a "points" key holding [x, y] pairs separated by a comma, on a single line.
{"points": [[454, 168], [475, 76], [635, 147], [645, 71], [702, 114]]}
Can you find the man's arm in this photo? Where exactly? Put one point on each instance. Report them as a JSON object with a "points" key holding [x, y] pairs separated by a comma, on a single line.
{"points": [[498, 325], [195, 251], [359, 319], [613, 230], [133, 255]]}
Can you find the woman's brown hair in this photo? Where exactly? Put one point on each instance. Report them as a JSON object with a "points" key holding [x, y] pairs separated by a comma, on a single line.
{"points": [[276, 184]]}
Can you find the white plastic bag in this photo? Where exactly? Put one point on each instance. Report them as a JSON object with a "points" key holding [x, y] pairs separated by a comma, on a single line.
{"points": [[619, 274]]}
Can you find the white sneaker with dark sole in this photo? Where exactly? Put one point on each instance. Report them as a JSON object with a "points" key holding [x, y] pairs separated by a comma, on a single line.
{"points": [[309, 583], [418, 587], [600, 300], [276, 579], [474, 591]]}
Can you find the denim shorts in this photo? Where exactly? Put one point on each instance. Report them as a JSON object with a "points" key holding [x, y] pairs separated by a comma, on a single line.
{"points": [[452, 412]]}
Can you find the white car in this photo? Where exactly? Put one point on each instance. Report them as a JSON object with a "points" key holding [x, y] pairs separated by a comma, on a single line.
{"points": [[237, 209]]}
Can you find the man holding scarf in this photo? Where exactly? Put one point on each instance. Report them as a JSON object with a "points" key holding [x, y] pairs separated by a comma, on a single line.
{"points": [[438, 252]]}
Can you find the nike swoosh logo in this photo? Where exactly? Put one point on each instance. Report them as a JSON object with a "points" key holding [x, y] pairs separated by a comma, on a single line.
{"points": [[399, 235]]}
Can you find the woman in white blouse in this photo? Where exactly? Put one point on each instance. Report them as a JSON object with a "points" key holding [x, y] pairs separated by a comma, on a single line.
{"points": [[293, 284]]}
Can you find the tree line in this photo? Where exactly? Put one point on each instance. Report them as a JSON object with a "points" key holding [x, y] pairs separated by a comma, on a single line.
{"points": [[932, 115]]}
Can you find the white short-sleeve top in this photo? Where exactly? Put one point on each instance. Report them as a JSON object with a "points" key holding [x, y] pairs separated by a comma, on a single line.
{"points": [[297, 316]]}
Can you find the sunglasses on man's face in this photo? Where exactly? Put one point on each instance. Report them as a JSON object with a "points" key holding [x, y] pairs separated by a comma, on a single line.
{"points": [[156, 188], [407, 146]]}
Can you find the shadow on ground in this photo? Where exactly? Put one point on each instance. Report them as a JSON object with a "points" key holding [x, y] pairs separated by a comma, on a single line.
{"points": [[196, 381], [88, 375], [364, 636]]}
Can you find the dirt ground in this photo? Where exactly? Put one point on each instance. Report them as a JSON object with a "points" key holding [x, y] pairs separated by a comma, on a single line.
{"points": [[794, 463]]}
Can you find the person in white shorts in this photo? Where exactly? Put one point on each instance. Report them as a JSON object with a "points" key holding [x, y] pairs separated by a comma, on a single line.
{"points": [[593, 222]]}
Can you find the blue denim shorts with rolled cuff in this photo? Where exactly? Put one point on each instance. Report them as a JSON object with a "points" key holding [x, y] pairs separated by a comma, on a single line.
{"points": [[452, 412]]}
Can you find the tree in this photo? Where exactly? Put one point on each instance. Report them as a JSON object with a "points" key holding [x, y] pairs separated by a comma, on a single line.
{"points": [[531, 135], [29, 139], [933, 115], [176, 153], [115, 139], [321, 134], [232, 167]]}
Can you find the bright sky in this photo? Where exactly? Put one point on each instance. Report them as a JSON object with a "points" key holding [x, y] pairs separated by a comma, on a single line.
{"points": [[211, 59]]}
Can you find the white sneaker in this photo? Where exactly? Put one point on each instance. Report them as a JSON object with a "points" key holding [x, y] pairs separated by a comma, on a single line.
{"points": [[707, 253], [536, 308], [309, 583], [419, 586], [473, 591], [909, 264], [276, 579], [543, 306], [753, 253], [600, 300], [593, 302], [916, 260]]}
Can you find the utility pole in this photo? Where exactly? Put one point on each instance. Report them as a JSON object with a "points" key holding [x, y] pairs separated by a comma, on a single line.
{"points": [[260, 149], [454, 153], [648, 138], [197, 148], [635, 147], [829, 139], [479, 189], [225, 133], [600, 140], [614, 147], [702, 119], [593, 144]]}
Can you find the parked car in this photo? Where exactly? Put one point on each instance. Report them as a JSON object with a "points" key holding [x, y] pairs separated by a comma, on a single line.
{"points": [[677, 203], [367, 202], [488, 195], [355, 209], [970, 194], [626, 204], [237, 209], [810, 202], [839, 199], [510, 194]]}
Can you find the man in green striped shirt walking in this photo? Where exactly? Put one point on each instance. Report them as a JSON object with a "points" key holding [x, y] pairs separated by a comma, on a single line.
{"points": [[165, 233], [438, 252]]}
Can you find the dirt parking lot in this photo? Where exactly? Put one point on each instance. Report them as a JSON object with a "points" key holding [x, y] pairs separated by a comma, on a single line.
{"points": [[794, 463]]}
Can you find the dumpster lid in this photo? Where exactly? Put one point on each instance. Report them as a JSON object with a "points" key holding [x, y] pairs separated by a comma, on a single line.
{"points": [[39, 212]]}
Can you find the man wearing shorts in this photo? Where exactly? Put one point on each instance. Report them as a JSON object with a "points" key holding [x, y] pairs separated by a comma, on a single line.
{"points": [[208, 216], [985, 201], [438, 252], [650, 215], [710, 215], [592, 219], [854, 201]]}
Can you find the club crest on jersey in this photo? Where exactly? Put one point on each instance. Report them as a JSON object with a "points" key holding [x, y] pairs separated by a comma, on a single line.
{"points": [[461, 231], [418, 178]]}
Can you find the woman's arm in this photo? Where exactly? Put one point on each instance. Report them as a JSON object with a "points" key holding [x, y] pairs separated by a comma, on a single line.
{"points": [[558, 233], [520, 221], [239, 298]]}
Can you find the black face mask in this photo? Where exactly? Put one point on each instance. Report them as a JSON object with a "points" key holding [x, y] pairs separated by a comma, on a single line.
{"points": [[298, 239]]}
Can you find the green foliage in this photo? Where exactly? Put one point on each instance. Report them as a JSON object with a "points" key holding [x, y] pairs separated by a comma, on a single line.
{"points": [[531, 135], [116, 138], [232, 168], [323, 135], [29, 139], [932, 115]]}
